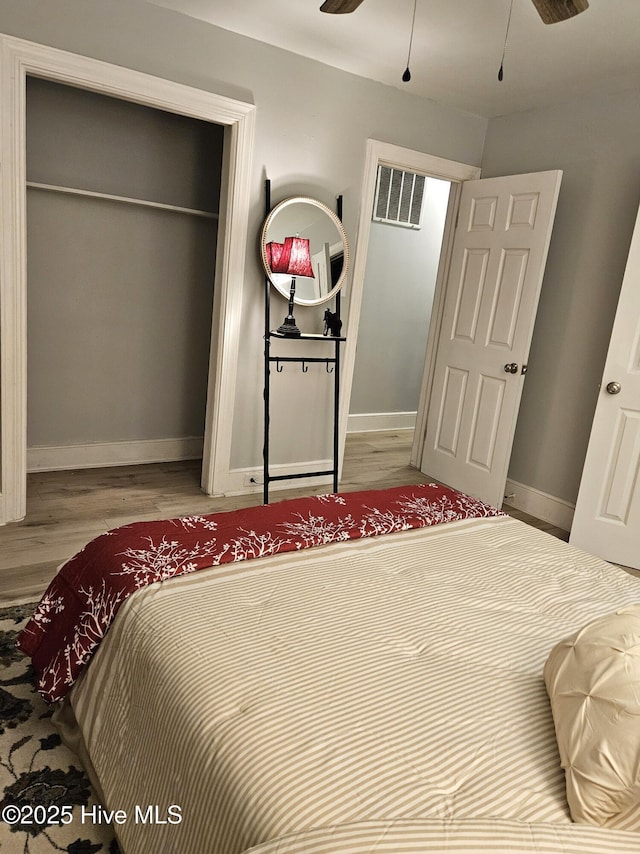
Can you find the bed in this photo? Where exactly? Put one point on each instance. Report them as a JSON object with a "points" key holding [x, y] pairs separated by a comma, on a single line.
{"points": [[381, 671]]}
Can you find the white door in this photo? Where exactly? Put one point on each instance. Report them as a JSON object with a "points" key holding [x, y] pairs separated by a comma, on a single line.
{"points": [[497, 263], [607, 516]]}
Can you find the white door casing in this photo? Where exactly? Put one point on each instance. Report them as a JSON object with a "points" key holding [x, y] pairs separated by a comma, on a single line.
{"points": [[397, 157], [18, 59], [495, 275], [606, 521]]}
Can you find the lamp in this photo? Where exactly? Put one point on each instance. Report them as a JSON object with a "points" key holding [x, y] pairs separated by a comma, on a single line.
{"points": [[291, 258]]}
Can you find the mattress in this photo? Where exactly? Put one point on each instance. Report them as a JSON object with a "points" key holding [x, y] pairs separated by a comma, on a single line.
{"points": [[382, 694]]}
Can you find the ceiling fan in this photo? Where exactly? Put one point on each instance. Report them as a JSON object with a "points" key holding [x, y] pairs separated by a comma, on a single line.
{"points": [[551, 11]]}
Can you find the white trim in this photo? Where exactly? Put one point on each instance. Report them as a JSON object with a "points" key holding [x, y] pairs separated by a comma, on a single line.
{"points": [[235, 194], [20, 58], [249, 480], [550, 509], [416, 161], [368, 422], [105, 454]]}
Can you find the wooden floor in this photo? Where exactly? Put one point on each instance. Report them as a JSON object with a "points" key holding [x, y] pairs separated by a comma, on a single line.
{"points": [[66, 509]]}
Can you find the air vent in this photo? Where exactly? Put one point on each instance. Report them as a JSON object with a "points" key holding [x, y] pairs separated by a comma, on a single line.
{"points": [[398, 197]]}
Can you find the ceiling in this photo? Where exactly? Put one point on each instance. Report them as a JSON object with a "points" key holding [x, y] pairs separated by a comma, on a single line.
{"points": [[457, 46]]}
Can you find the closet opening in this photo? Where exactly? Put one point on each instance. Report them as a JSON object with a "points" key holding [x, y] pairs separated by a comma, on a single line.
{"points": [[122, 219], [22, 60]]}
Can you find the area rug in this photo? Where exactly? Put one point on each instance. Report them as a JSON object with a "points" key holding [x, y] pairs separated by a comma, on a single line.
{"points": [[46, 800]]}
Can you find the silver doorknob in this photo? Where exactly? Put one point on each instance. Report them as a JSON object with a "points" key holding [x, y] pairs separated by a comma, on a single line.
{"points": [[614, 388], [511, 368]]}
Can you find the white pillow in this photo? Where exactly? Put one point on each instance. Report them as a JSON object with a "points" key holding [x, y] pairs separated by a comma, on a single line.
{"points": [[593, 681]]}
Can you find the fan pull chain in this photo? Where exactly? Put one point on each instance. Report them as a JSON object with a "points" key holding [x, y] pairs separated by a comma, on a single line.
{"points": [[504, 49], [407, 74]]}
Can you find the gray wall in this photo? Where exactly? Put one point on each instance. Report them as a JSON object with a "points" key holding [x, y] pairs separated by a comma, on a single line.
{"points": [[320, 154], [119, 296], [400, 280], [596, 142]]}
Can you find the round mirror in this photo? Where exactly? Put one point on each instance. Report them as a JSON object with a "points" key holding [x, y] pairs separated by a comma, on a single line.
{"points": [[304, 249]]}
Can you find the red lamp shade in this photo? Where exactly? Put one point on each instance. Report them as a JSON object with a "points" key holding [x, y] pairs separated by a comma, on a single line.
{"points": [[299, 257], [291, 257], [275, 260]]}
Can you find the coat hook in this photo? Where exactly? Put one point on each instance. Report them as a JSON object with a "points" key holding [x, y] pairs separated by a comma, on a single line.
{"points": [[279, 367], [328, 367], [305, 367]]}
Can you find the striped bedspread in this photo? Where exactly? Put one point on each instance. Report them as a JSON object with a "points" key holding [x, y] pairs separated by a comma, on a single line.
{"points": [[373, 695], [87, 592]]}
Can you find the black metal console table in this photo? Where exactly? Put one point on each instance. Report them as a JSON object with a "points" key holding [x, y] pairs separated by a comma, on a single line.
{"points": [[332, 364]]}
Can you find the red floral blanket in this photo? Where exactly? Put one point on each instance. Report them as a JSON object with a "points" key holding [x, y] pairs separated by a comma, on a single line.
{"points": [[80, 603]]}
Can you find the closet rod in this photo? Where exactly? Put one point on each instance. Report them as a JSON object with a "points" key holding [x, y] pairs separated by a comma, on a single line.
{"points": [[72, 191]]}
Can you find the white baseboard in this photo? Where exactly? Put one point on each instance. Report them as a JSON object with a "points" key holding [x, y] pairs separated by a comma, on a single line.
{"points": [[370, 421], [105, 454], [550, 509], [248, 480]]}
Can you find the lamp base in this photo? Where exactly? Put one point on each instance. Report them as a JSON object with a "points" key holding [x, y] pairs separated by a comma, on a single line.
{"points": [[289, 328]]}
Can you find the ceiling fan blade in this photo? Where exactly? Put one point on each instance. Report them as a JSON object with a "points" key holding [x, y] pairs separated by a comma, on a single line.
{"points": [[554, 11], [339, 7]]}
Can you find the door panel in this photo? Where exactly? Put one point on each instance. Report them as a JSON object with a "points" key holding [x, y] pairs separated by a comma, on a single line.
{"points": [[455, 385], [486, 418], [607, 516], [472, 280], [497, 263], [620, 477], [506, 308]]}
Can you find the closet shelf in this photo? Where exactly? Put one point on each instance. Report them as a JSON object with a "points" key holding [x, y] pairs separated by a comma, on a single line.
{"points": [[74, 191]]}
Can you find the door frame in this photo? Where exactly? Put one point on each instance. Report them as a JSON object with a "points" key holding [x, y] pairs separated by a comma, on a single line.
{"points": [[610, 535], [397, 157], [19, 59]]}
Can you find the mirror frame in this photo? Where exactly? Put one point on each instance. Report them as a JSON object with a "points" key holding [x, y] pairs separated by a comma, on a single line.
{"points": [[336, 221]]}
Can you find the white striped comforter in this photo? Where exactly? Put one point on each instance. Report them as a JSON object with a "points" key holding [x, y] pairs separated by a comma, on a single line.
{"points": [[381, 694]]}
